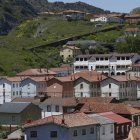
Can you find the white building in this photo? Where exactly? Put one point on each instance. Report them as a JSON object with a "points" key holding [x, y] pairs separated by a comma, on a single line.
{"points": [[77, 126], [57, 106], [119, 87], [108, 19], [9, 88], [33, 86], [106, 127], [111, 64]]}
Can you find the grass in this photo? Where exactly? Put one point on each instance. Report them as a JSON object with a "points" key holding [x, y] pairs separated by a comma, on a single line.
{"points": [[39, 31]]}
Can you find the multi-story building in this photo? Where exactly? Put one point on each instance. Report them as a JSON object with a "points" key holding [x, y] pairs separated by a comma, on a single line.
{"points": [[77, 126], [111, 64], [119, 87], [69, 52]]}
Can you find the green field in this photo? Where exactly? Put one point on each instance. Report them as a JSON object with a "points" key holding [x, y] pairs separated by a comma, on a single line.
{"points": [[42, 30]]}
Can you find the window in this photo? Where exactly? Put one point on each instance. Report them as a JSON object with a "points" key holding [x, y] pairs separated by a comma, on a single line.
{"points": [[97, 59], [111, 129], [81, 59], [103, 130], [118, 58], [81, 94], [109, 93], [85, 59], [101, 59], [123, 58], [62, 55], [20, 93], [13, 118], [53, 134], [17, 85], [75, 133], [13, 93], [81, 86], [13, 85], [106, 58], [57, 108], [109, 85], [48, 108], [69, 56], [77, 59], [92, 130], [127, 58], [33, 134], [3, 85], [83, 131]]}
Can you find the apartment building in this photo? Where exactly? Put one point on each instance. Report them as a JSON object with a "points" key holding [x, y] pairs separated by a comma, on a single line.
{"points": [[110, 64]]}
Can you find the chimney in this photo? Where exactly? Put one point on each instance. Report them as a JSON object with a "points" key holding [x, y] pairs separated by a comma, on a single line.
{"points": [[63, 119]]}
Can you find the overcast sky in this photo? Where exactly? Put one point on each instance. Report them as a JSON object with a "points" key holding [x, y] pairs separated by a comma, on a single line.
{"points": [[112, 5]]}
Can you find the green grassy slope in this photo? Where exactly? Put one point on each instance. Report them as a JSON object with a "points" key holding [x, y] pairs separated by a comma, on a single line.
{"points": [[30, 33]]}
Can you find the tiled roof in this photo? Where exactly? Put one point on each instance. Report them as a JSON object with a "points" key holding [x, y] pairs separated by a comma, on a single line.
{"points": [[70, 120], [95, 100], [123, 78], [65, 102], [106, 107], [36, 72], [27, 99], [72, 47], [136, 65], [132, 15], [107, 55], [101, 119], [91, 76], [13, 79], [61, 69], [131, 29], [115, 117], [13, 107]]}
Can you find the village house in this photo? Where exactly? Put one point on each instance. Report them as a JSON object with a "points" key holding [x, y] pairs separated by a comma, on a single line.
{"points": [[57, 106], [69, 52], [60, 87], [38, 72], [106, 127], [111, 64], [34, 86], [74, 15], [108, 19], [122, 125], [134, 134], [122, 109], [132, 32], [120, 87], [132, 18], [63, 127], [18, 113], [10, 87], [87, 84]]}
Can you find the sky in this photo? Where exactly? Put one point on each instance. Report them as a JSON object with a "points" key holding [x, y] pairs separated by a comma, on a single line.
{"points": [[113, 5]]}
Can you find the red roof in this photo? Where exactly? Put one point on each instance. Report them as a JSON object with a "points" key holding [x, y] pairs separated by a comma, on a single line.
{"points": [[69, 120], [115, 117], [119, 108]]}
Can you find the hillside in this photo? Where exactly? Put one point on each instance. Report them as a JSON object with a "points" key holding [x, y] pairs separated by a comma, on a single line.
{"points": [[30, 33], [44, 5], [136, 11], [13, 12]]}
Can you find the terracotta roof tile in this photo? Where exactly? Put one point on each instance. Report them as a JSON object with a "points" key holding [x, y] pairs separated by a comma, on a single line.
{"points": [[115, 117], [107, 107], [70, 120]]}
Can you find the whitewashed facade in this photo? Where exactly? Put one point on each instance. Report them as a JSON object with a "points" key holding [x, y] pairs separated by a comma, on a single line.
{"points": [[106, 127], [107, 19], [112, 87], [111, 64], [85, 88]]}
